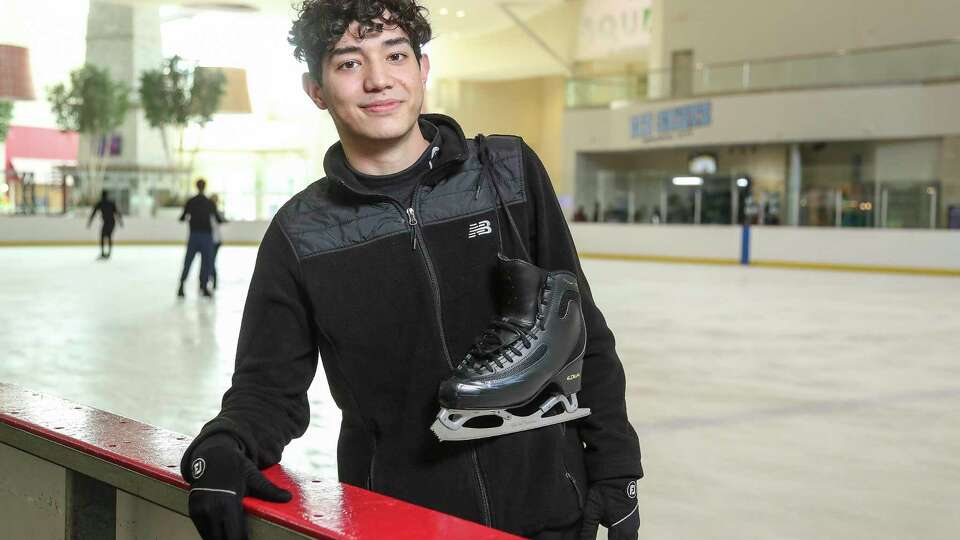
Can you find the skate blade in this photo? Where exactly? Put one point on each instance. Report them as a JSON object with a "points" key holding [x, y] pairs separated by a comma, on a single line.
{"points": [[454, 430]]}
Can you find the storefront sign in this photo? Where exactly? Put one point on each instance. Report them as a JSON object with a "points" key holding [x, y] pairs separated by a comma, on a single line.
{"points": [[669, 122], [609, 27]]}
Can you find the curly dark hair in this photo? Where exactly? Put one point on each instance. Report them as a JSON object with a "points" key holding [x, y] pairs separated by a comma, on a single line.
{"points": [[321, 23]]}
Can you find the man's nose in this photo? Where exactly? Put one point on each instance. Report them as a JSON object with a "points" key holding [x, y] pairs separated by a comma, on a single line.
{"points": [[377, 78]]}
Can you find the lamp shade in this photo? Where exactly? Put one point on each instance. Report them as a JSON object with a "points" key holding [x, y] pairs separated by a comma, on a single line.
{"points": [[236, 96], [15, 80]]}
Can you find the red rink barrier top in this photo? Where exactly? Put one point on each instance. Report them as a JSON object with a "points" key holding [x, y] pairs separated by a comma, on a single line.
{"points": [[320, 508]]}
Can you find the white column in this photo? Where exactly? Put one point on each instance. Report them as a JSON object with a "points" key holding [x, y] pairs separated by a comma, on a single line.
{"points": [[664, 187], [838, 208], [697, 205], [794, 176], [125, 39], [734, 199]]}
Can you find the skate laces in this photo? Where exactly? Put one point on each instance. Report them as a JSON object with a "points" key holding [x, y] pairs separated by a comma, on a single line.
{"points": [[490, 349]]}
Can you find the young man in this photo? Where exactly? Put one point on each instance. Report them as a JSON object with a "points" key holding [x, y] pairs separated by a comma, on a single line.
{"points": [[202, 213], [109, 216], [386, 267]]}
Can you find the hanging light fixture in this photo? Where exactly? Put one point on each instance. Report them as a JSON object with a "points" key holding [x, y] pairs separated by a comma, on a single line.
{"points": [[15, 80], [236, 96]]}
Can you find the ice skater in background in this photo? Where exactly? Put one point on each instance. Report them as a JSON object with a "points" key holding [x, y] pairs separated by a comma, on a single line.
{"points": [[110, 216], [215, 220], [201, 211]]}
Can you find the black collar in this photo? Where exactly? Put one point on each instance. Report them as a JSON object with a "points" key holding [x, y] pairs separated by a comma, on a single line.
{"points": [[453, 151]]}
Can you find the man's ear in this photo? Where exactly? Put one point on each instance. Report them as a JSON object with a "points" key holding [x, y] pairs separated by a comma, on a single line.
{"points": [[424, 68], [313, 90]]}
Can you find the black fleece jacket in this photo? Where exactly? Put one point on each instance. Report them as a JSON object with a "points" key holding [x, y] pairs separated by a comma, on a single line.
{"points": [[391, 298]]}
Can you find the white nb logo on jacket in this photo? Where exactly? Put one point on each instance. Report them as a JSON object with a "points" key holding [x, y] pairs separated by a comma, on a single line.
{"points": [[479, 228]]}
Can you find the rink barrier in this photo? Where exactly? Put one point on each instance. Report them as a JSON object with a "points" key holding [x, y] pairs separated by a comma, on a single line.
{"points": [[890, 251], [897, 251], [96, 243], [72, 471]]}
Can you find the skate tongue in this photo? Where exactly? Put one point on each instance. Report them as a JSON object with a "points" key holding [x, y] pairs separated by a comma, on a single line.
{"points": [[518, 291]]}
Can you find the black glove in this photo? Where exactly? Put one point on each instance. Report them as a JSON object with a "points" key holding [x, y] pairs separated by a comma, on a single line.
{"points": [[613, 504], [220, 477]]}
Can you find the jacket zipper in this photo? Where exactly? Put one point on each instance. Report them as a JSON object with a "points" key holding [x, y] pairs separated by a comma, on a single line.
{"points": [[563, 463], [575, 488], [483, 490], [414, 225], [373, 462], [435, 283], [412, 221], [431, 273]]}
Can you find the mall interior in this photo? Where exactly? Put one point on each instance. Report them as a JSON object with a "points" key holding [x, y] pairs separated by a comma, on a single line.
{"points": [[765, 197]]}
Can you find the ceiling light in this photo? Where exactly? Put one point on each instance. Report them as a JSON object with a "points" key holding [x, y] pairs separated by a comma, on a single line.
{"points": [[237, 7], [444, 11], [461, 13], [687, 181], [742, 182]]}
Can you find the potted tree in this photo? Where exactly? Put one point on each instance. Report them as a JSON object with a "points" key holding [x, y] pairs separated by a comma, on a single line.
{"points": [[6, 114], [92, 104], [175, 96]]}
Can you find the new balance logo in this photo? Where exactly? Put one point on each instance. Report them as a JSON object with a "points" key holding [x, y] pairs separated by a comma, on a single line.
{"points": [[479, 228]]}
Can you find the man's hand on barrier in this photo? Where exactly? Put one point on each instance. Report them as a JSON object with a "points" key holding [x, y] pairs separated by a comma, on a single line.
{"points": [[613, 504], [221, 476]]}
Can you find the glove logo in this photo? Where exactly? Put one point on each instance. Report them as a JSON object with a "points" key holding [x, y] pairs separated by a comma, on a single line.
{"points": [[632, 489], [198, 467]]}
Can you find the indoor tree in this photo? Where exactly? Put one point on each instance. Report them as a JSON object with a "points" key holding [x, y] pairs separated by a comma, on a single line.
{"points": [[175, 95], [6, 114], [94, 104]]}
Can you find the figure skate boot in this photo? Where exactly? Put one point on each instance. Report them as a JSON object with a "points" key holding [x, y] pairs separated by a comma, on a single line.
{"points": [[534, 347]]}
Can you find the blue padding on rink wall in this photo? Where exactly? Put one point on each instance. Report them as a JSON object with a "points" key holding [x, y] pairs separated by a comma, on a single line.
{"points": [[745, 245]]}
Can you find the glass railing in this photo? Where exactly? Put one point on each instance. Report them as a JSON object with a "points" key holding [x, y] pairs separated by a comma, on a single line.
{"points": [[894, 204], [829, 197], [887, 65]]}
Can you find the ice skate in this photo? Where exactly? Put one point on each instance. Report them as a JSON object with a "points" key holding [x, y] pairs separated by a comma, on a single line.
{"points": [[532, 350]]}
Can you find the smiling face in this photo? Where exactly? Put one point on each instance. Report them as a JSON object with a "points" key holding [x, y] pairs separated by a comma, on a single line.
{"points": [[373, 86]]}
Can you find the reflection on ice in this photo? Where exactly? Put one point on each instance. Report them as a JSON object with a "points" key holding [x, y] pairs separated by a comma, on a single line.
{"points": [[784, 403]]}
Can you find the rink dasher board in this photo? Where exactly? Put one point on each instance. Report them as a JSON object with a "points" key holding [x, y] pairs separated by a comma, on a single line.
{"points": [[64, 493], [73, 471], [41, 499]]}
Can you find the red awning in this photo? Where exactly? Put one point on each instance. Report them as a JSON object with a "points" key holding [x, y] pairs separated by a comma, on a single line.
{"points": [[41, 143]]}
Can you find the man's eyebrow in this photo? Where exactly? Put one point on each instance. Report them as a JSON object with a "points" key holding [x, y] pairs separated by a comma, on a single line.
{"points": [[344, 50], [354, 49], [396, 41]]}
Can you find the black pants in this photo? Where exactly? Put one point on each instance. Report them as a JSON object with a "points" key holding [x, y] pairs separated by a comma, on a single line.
{"points": [[213, 262], [106, 238], [202, 243]]}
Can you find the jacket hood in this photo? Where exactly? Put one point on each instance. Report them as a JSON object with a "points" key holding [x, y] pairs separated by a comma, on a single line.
{"points": [[453, 149]]}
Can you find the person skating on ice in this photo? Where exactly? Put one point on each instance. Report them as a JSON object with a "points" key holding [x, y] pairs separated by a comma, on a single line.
{"points": [[109, 216], [200, 211], [216, 219], [387, 269]]}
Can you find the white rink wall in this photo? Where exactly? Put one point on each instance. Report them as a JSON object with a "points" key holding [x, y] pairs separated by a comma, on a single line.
{"points": [[46, 230], [873, 248], [720, 242], [898, 248]]}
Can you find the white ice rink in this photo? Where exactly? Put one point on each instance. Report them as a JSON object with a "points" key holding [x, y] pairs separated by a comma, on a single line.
{"points": [[769, 403]]}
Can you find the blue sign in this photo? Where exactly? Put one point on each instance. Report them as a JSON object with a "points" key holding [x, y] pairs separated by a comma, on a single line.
{"points": [[669, 121], [641, 125]]}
